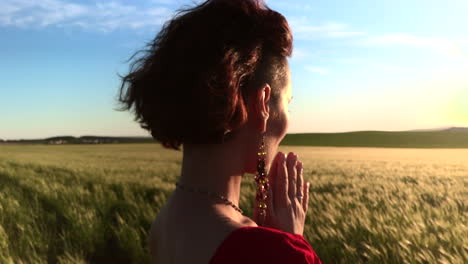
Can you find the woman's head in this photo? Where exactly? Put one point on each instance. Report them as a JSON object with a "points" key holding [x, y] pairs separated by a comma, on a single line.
{"points": [[197, 77]]}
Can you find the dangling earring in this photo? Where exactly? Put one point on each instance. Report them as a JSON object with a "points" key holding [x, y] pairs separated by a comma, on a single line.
{"points": [[261, 179]]}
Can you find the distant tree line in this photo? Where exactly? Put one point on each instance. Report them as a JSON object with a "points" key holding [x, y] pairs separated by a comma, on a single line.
{"points": [[81, 140], [452, 137]]}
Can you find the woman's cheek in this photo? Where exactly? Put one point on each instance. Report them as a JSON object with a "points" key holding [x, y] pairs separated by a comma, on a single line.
{"points": [[284, 123]]}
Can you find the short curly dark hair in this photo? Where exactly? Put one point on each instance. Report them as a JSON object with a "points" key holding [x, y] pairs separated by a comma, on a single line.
{"points": [[193, 82]]}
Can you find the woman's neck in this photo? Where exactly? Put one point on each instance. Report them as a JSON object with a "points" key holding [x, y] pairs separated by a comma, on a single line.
{"points": [[214, 168]]}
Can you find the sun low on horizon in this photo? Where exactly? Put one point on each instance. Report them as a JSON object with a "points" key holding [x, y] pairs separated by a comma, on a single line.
{"points": [[388, 65]]}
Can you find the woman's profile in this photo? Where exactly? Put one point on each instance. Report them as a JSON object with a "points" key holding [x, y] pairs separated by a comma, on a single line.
{"points": [[216, 82]]}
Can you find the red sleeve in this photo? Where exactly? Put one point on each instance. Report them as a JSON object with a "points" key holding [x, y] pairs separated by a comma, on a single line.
{"points": [[258, 245]]}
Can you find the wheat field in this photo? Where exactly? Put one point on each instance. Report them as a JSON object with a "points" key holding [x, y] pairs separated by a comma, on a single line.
{"points": [[95, 203]]}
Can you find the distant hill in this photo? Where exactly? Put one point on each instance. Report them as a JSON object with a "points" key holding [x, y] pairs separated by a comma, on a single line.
{"points": [[439, 129], [462, 129], [451, 137], [82, 140]]}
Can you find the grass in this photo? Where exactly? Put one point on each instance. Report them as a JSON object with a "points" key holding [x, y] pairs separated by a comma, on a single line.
{"points": [[382, 139], [95, 203]]}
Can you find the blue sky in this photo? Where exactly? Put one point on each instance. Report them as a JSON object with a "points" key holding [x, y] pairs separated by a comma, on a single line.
{"points": [[357, 65]]}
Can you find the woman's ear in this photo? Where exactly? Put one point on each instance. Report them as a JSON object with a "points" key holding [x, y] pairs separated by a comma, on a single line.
{"points": [[259, 107]]}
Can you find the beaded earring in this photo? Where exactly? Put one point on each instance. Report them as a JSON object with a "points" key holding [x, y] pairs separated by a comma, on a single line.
{"points": [[261, 179]]}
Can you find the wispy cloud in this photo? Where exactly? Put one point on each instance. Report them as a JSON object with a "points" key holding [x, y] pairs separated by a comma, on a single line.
{"points": [[299, 53], [315, 69], [351, 60], [438, 45], [289, 5], [166, 2], [302, 29], [102, 16]]}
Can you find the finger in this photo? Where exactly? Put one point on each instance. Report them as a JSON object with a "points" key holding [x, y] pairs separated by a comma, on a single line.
{"points": [[273, 177], [281, 194], [305, 200], [269, 202], [291, 163], [273, 173], [300, 180]]}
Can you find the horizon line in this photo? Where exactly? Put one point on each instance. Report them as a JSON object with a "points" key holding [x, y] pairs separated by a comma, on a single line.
{"points": [[341, 132]]}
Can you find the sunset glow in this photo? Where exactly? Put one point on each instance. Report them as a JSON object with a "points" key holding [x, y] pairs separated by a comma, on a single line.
{"points": [[357, 65]]}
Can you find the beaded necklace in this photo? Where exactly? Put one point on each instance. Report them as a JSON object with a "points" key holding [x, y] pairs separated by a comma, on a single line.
{"points": [[212, 194]]}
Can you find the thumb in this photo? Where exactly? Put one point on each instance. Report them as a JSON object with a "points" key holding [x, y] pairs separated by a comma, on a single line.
{"points": [[269, 202]]}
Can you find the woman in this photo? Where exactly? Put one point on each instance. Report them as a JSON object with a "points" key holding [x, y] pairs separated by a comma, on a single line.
{"points": [[216, 80]]}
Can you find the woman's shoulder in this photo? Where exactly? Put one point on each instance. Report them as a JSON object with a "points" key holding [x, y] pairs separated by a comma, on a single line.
{"points": [[250, 244]]}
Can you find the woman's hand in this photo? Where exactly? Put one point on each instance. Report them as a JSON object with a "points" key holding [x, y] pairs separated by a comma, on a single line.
{"points": [[286, 210]]}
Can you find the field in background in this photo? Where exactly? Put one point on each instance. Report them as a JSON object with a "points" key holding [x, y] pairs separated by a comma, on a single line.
{"points": [[453, 137], [448, 138], [95, 203]]}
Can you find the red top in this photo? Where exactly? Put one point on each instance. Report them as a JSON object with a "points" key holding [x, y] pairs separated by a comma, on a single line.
{"points": [[257, 245]]}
